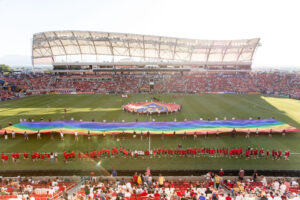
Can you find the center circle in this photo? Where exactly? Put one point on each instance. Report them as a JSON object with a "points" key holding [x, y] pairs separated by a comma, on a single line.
{"points": [[151, 107]]}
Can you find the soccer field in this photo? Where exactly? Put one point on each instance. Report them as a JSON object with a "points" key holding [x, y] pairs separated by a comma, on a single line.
{"points": [[108, 107]]}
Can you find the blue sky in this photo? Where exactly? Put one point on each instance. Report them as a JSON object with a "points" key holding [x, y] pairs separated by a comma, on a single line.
{"points": [[275, 22]]}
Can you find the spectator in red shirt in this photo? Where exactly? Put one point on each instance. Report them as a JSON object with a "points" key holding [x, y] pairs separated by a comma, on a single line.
{"points": [[228, 197], [221, 172]]}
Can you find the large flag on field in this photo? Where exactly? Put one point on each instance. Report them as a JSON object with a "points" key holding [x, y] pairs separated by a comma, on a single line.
{"points": [[189, 127]]}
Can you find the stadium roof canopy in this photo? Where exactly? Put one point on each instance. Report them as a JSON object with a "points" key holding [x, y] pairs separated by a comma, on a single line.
{"points": [[105, 47]]}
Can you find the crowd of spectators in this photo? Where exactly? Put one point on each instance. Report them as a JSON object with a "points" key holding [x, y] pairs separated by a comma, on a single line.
{"points": [[209, 187], [34, 188], [266, 83], [7, 91], [145, 186], [97, 83], [6, 94], [199, 82]]}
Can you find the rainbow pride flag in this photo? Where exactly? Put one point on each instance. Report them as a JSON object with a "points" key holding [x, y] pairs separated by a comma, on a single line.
{"points": [[190, 127]]}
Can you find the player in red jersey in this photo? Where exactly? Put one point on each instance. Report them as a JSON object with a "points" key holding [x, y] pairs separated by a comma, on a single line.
{"points": [[279, 154], [92, 154], [47, 155], [4, 158], [247, 154], [225, 152], [255, 153], [33, 157], [206, 151], [65, 156], [199, 151], [13, 157], [125, 152], [237, 153], [194, 152], [99, 153], [158, 152], [73, 155], [37, 155], [25, 155], [210, 152], [154, 152], [214, 152], [17, 156], [41, 156], [267, 154], [233, 153], [202, 152], [188, 151], [164, 152], [147, 153], [287, 155], [70, 156], [180, 152], [184, 152], [251, 153], [218, 152], [241, 152], [171, 152]]}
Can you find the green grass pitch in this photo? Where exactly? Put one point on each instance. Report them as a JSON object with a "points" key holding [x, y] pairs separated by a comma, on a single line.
{"points": [[108, 107]]}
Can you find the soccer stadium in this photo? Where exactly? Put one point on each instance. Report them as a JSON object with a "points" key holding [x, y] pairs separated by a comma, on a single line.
{"points": [[148, 117], [128, 102]]}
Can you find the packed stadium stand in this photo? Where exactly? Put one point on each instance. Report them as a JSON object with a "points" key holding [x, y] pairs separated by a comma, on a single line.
{"points": [[104, 62], [286, 84], [145, 186]]}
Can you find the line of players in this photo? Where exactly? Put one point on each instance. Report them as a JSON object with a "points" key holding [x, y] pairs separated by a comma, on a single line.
{"points": [[248, 153]]}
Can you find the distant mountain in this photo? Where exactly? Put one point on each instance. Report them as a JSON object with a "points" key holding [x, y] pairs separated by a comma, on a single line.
{"points": [[15, 60]]}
